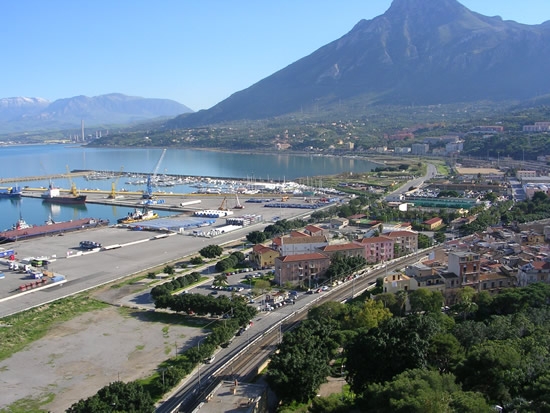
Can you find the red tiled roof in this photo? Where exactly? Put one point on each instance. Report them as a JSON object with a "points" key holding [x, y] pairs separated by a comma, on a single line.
{"points": [[342, 247], [313, 228], [261, 249], [433, 221], [304, 240], [373, 240], [303, 257], [400, 234], [540, 265]]}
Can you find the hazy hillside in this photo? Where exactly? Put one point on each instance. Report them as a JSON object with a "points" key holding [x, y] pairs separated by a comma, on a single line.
{"points": [[24, 114]]}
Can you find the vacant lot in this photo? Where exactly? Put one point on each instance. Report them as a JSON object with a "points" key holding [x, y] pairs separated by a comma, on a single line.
{"points": [[482, 171], [77, 358]]}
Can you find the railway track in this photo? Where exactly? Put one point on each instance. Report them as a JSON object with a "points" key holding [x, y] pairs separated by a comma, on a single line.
{"points": [[246, 363]]}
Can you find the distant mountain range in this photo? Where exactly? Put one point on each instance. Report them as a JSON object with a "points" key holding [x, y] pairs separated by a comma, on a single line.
{"points": [[419, 52], [23, 114]]}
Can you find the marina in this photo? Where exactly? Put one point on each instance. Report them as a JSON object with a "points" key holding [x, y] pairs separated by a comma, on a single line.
{"points": [[114, 179]]}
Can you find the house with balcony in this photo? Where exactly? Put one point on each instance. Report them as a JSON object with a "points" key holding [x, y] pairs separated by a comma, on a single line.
{"points": [[467, 266], [304, 270], [377, 249], [406, 242], [401, 282], [495, 282]]}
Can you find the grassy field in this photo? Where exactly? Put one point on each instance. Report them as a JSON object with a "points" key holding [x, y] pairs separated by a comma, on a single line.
{"points": [[19, 330]]}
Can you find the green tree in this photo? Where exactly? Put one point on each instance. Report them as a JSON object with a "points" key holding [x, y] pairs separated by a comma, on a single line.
{"points": [[445, 352], [439, 236], [239, 256], [424, 300], [397, 344], [261, 286], [196, 260], [256, 237], [370, 315], [423, 391], [116, 397], [491, 368], [465, 302], [211, 251], [424, 241], [301, 365], [220, 280]]}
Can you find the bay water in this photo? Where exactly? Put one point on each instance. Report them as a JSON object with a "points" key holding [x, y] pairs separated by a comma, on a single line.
{"points": [[39, 160]]}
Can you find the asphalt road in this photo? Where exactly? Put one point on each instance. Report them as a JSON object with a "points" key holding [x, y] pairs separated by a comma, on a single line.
{"points": [[431, 172]]}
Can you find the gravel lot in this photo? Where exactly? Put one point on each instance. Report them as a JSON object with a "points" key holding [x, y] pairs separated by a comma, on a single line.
{"points": [[79, 357]]}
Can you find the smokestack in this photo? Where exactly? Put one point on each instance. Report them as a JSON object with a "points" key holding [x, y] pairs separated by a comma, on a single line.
{"points": [[82, 129]]}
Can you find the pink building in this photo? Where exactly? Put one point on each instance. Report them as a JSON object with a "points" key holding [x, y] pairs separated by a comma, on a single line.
{"points": [[377, 249]]}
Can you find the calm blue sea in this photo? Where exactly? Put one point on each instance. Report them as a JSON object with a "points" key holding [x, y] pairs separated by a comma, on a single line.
{"points": [[39, 160]]}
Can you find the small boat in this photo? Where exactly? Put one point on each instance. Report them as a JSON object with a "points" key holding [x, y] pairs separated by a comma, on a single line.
{"points": [[138, 216], [20, 224], [11, 192]]}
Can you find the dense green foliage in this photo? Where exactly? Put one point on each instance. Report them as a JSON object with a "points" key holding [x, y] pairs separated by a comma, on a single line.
{"points": [[343, 266], [283, 227], [175, 284], [301, 365], [211, 251], [232, 261], [486, 351], [117, 397]]}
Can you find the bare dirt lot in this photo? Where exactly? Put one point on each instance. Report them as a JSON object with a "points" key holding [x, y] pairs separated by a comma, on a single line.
{"points": [[77, 358], [482, 171]]}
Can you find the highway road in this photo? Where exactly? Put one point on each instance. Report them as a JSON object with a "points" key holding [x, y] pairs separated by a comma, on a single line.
{"points": [[431, 172]]}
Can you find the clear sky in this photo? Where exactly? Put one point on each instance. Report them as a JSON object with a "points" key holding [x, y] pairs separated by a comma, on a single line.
{"points": [[197, 52]]}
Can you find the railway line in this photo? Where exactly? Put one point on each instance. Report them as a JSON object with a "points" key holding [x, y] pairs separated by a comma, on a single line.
{"points": [[245, 362]]}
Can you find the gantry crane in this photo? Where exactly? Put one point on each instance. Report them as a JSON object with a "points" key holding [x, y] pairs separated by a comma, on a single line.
{"points": [[148, 193]]}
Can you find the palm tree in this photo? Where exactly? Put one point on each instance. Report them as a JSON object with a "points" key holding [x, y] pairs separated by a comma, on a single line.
{"points": [[220, 279]]}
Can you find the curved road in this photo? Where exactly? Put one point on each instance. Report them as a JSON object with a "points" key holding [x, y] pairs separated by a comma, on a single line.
{"points": [[431, 172]]}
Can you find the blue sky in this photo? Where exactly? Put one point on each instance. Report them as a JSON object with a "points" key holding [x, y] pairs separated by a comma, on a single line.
{"points": [[197, 52]]}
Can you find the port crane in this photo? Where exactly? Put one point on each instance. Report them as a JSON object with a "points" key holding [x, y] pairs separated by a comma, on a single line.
{"points": [[148, 193], [223, 206], [238, 205], [113, 194], [73, 191]]}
